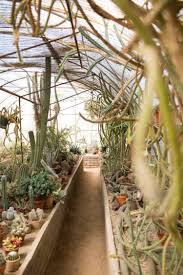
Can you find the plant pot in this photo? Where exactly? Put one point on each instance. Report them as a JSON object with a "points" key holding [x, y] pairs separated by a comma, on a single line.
{"points": [[39, 203], [2, 268], [49, 202], [36, 224], [121, 199], [12, 265]]}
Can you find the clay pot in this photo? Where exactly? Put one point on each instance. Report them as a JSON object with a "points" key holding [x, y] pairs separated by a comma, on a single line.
{"points": [[121, 199], [2, 269], [12, 265], [39, 203], [49, 202], [36, 224]]}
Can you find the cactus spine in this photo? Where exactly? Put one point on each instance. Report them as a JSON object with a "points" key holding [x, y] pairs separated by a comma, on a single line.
{"points": [[4, 193]]}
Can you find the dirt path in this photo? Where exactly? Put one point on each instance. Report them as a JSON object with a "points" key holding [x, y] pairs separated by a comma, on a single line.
{"points": [[81, 248]]}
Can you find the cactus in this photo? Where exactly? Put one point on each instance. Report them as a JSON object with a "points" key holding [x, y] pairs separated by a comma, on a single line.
{"points": [[20, 226], [32, 144], [4, 193], [37, 153], [23, 172], [31, 197], [41, 109], [9, 214], [13, 256], [2, 259], [36, 215]]}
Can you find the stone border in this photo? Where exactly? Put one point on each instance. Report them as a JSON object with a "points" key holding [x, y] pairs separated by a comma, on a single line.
{"points": [[46, 239], [111, 251]]}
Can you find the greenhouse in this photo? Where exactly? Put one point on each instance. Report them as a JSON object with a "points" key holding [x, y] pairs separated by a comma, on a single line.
{"points": [[91, 132]]}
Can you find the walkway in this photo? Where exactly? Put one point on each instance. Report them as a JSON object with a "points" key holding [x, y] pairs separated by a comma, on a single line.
{"points": [[81, 248]]}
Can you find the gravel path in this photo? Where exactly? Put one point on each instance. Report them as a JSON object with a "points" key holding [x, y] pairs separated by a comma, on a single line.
{"points": [[81, 248]]}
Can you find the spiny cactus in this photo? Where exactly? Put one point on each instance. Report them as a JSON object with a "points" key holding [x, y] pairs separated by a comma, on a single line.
{"points": [[2, 259], [36, 215], [41, 110], [13, 256], [38, 152], [31, 197], [4, 193], [23, 172], [32, 145], [9, 214]]}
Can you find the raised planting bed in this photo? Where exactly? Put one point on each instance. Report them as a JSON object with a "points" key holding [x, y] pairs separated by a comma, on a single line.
{"points": [[39, 244], [116, 265]]}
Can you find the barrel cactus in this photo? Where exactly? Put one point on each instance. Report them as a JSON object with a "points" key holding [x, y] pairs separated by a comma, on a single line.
{"points": [[13, 256]]}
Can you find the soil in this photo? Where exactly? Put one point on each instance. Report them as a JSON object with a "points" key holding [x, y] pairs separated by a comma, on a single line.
{"points": [[81, 247]]}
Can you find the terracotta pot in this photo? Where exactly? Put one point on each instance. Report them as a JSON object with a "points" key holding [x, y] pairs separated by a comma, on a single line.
{"points": [[12, 265], [39, 203], [121, 199], [36, 224], [2, 268], [49, 202]]}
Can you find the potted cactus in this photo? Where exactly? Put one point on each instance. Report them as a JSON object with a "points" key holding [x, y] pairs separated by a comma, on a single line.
{"points": [[20, 227], [2, 263], [8, 215], [12, 261], [36, 218], [11, 243], [43, 185]]}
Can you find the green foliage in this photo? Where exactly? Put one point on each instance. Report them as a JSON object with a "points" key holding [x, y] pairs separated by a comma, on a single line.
{"points": [[2, 259], [75, 150], [4, 192], [57, 144], [42, 184]]}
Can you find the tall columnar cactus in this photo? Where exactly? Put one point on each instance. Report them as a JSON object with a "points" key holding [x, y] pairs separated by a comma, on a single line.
{"points": [[23, 172], [32, 145], [4, 193], [31, 197], [41, 110]]}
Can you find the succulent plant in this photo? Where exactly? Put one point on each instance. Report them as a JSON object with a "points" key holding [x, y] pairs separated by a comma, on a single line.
{"points": [[20, 226], [11, 243], [42, 184], [13, 256], [9, 214], [2, 259], [31, 197], [4, 192], [36, 215]]}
